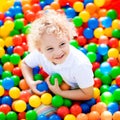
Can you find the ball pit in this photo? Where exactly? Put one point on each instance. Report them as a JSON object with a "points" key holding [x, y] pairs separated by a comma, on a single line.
{"points": [[98, 26]]}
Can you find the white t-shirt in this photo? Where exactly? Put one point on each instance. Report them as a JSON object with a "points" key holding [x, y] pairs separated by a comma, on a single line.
{"points": [[76, 70]]}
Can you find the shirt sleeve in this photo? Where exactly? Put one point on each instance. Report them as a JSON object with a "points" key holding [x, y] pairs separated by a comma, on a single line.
{"points": [[84, 76], [33, 59]]}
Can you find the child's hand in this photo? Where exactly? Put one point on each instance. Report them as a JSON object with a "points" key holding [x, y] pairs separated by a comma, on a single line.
{"points": [[54, 88], [34, 89]]}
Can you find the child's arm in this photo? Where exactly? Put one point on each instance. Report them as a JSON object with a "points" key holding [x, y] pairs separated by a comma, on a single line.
{"points": [[28, 76], [75, 94]]}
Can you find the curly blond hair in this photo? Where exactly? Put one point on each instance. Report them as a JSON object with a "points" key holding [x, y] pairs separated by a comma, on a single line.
{"points": [[51, 22]]}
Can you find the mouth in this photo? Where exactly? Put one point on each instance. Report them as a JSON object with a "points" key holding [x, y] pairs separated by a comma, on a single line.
{"points": [[59, 57]]}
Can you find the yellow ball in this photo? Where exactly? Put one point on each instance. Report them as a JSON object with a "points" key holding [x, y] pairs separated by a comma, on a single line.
{"points": [[98, 32], [2, 42], [96, 92], [116, 24], [2, 51], [4, 32], [84, 15], [9, 25], [35, 101], [113, 52], [99, 3], [46, 98], [8, 41], [19, 106], [14, 92], [108, 32], [78, 6], [69, 117], [1, 90]]}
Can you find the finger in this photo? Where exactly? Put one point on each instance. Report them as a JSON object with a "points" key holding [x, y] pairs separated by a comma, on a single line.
{"points": [[56, 81]]}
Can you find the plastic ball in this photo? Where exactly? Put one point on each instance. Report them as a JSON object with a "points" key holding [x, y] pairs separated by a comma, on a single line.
{"points": [[113, 43], [55, 5], [19, 105], [21, 115], [67, 102], [18, 24], [17, 71], [14, 92], [8, 66], [2, 43], [57, 101], [63, 111], [78, 6], [2, 52], [75, 109], [12, 115], [7, 83], [99, 3], [64, 86], [92, 56], [23, 85], [113, 52], [82, 116], [15, 58], [85, 108], [77, 21], [16, 80], [69, 117], [18, 50], [106, 115], [103, 40], [42, 117], [93, 115], [112, 88], [7, 74], [115, 33], [46, 98], [70, 12], [112, 14], [113, 61], [96, 92], [9, 25], [104, 88], [116, 24], [91, 47], [84, 15], [7, 100], [42, 86], [116, 115], [97, 82], [55, 76], [54, 117], [17, 40], [5, 108], [116, 93], [1, 90], [115, 71], [2, 116], [98, 32], [107, 97], [31, 115], [113, 107], [35, 101], [93, 23], [91, 8], [88, 33]]}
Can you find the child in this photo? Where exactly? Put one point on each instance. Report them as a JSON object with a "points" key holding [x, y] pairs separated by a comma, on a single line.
{"points": [[49, 47]]}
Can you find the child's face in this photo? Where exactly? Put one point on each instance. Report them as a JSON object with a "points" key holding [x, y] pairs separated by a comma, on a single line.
{"points": [[55, 50]]}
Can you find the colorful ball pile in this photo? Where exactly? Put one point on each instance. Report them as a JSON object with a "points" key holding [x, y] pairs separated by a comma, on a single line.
{"points": [[98, 26]]}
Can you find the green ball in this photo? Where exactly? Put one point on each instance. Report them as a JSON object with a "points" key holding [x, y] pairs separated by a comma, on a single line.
{"points": [[57, 101], [74, 43], [19, 24], [92, 47], [107, 97], [6, 74], [2, 116], [11, 116], [38, 77], [104, 88], [14, 32], [116, 95], [26, 29], [77, 21], [116, 33], [92, 56], [5, 58], [112, 14], [67, 102], [25, 54], [16, 80], [15, 58], [98, 73], [106, 79], [115, 71], [19, 15], [56, 76], [31, 115]]}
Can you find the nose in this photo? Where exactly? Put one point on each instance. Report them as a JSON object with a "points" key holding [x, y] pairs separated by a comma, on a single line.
{"points": [[58, 51]]}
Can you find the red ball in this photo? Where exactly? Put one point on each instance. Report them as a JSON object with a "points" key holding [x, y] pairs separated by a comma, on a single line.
{"points": [[95, 65], [63, 2], [5, 108], [29, 15], [17, 40], [81, 40], [75, 109], [97, 82], [24, 46], [24, 38], [63, 111], [2, 16], [113, 61], [117, 80], [113, 42], [19, 50], [21, 115], [35, 8], [17, 71]]}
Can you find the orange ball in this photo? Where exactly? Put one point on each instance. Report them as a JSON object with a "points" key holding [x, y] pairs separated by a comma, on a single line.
{"points": [[106, 115], [82, 116], [102, 12], [64, 86], [55, 5], [116, 115], [91, 8], [23, 85], [8, 66], [94, 115], [26, 7]]}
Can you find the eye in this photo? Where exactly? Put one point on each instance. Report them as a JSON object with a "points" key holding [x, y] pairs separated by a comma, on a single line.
{"points": [[49, 49], [62, 44]]}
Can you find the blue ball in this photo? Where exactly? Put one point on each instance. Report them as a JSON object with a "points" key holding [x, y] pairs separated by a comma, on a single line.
{"points": [[1, 70], [106, 22], [54, 117], [8, 83], [85, 108], [42, 117], [6, 100], [88, 33], [10, 50], [102, 49], [90, 102], [70, 12], [113, 107], [42, 86], [112, 88], [1, 22], [36, 70], [93, 23]]}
